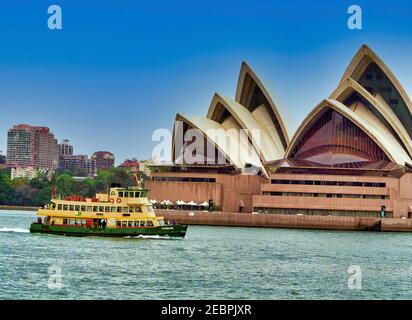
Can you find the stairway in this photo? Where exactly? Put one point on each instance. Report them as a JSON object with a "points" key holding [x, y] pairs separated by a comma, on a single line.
{"points": [[375, 227]]}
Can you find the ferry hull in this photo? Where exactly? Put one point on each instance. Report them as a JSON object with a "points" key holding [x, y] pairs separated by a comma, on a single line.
{"points": [[169, 230]]}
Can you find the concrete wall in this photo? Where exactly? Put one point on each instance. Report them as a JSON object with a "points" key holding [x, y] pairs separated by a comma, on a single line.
{"points": [[399, 191], [284, 221], [228, 192]]}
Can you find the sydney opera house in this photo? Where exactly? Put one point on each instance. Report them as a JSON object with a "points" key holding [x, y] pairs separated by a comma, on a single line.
{"points": [[351, 156]]}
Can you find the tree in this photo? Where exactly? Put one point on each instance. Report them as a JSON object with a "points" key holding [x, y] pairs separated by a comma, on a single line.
{"points": [[7, 193], [64, 184], [43, 196], [37, 191], [105, 178], [40, 182], [25, 195]]}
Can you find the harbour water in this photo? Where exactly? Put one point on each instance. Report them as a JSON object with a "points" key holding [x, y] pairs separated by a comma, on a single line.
{"points": [[211, 263]]}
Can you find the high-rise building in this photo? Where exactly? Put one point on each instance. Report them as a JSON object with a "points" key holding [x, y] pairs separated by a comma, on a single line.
{"points": [[65, 148], [104, 160], [76, 164], [131, 165], [32, 146]]}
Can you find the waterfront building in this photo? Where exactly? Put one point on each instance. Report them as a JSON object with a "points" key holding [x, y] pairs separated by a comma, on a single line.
{"points": [[65, 148], [79, 164], [132, 165], [76, 164], [104, 160], [351, 156], [32, 146], [144, 166], [27, 173]]}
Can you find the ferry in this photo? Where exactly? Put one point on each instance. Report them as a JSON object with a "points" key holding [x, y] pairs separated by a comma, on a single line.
{"points": [[121, 212]]}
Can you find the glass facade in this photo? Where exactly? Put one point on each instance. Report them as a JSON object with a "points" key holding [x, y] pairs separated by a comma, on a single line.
{"points": [[330, 183], [184, 179], [376, 82], [209, 155], [333, 139], [320, 212], [252, 97], [325, 195]]}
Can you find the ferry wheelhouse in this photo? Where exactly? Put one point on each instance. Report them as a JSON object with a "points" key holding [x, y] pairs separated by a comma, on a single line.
{"points": [[120, 212]]}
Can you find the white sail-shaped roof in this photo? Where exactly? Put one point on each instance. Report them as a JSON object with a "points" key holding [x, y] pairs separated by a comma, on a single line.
{"points": [[238, 150], [252, 94], [233, 115], [373, 74], [363, 119], [349, 86]]}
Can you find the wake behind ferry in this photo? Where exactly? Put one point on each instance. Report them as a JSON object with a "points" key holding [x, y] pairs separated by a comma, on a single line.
{"points": [[121, 212]]}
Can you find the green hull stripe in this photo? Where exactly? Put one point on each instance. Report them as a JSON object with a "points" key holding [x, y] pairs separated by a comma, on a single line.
{"points": [[171, 231]]}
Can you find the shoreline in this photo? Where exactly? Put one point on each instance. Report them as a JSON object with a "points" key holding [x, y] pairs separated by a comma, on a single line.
{"points": [[18, 208], [236, 219]]}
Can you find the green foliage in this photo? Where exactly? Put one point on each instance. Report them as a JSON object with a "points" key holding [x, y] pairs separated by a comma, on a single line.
{"points": [[7, 192], [37, 191], [65, 184]]}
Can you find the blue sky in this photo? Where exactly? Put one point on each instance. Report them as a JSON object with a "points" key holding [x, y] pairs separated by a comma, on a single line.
{"points": [[121, 69]]}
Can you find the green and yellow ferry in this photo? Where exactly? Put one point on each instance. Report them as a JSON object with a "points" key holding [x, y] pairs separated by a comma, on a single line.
{"points": [[121, 212]]}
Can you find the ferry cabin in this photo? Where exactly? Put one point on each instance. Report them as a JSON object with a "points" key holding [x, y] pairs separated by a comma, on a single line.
{"points": [[119, 208]]}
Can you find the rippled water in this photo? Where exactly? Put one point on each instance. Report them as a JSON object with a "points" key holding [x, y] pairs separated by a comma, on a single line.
{"points": [[211, 263]]}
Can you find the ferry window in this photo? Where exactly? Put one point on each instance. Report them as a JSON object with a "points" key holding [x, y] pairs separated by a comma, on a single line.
{"points": [[71, 207], [149, 223], [137, 195], [136, 223], [131, 209], [138, 209], [77, 208], [161, 222], [59, 206], [124, 223], [78, 221], [150, 208], [83, 208], [65, 206], [142, 223], [131, 194], [83, 222], [95, 208], [120, 194], [106, 209], [118, 224], [125, 209], [72, 221], [119, 209], [64, 221], [113, 209], [101, 209], [89, 208], [130, 224]]}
